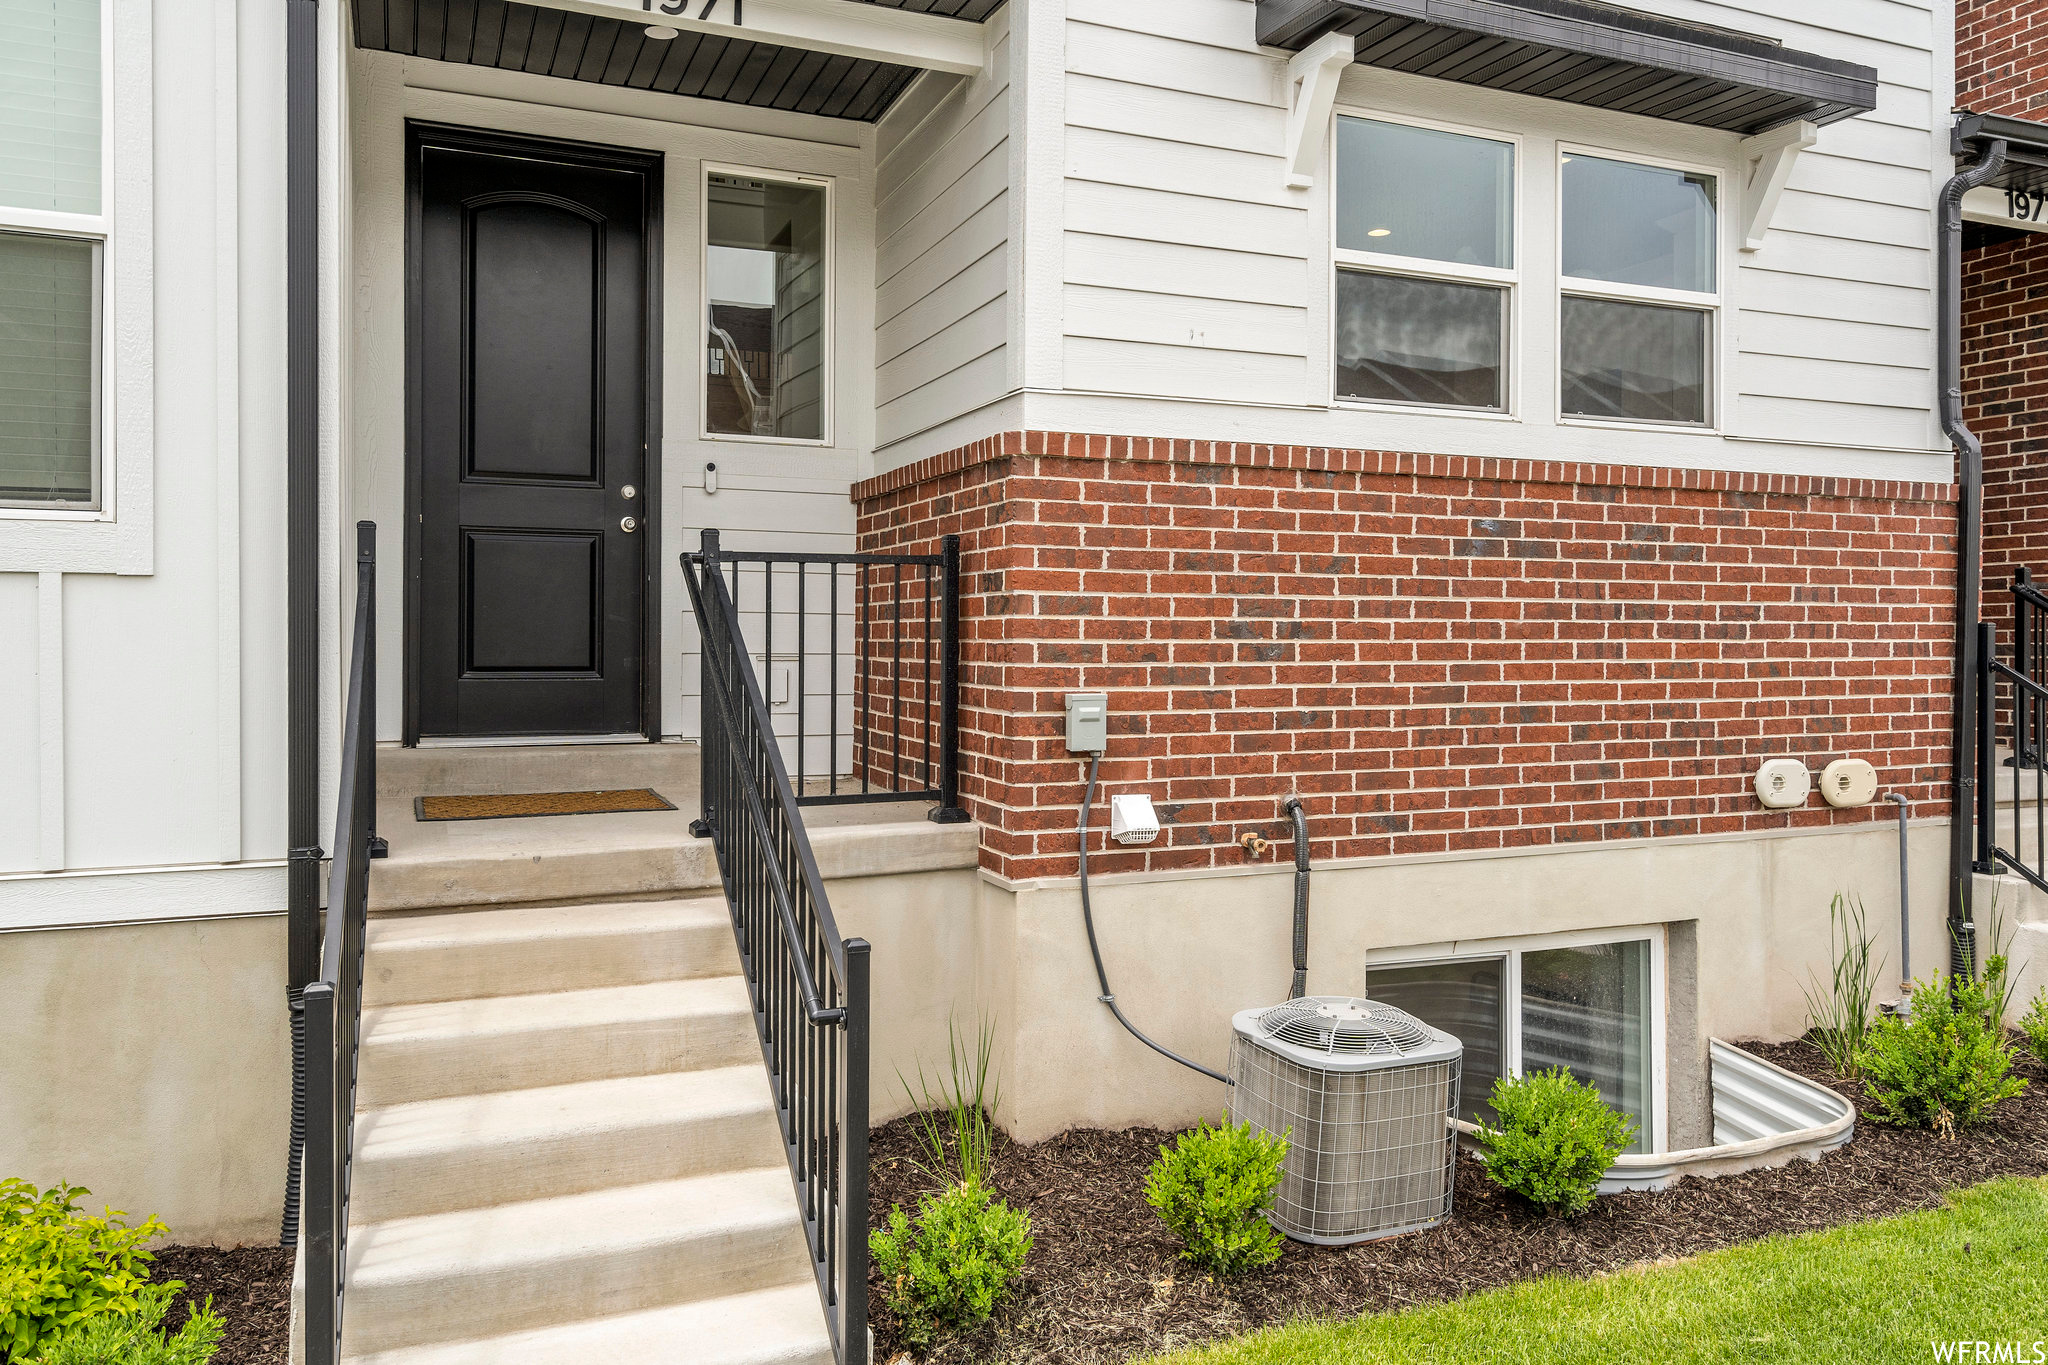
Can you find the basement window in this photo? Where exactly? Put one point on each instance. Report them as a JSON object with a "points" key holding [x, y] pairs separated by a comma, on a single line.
{"points": [[1426, 265], [1589, 1005], [1640, 294]]}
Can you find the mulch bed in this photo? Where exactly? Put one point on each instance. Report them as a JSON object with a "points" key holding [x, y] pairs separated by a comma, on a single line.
{"points": [[251, 1288], [1105, 1283]]}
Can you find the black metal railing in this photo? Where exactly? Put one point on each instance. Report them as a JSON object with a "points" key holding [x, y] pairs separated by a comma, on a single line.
{"points": [[865, 689], [2017, 692], [808, 986], [333, 1003]]}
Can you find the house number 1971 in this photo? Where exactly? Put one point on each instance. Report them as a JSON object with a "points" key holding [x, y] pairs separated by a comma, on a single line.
{"points": [[682, 7], [2025, 205]]}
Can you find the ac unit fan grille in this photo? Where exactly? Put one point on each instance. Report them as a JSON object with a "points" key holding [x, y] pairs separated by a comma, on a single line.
{"points": [[1337, 1025]]}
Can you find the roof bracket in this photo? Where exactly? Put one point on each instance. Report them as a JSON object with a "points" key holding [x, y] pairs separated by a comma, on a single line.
{"points": [[1770, 156], [1311, 86]]}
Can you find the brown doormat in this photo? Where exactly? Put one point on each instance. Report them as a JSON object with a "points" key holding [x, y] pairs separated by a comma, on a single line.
{"points": [[518, 804]]}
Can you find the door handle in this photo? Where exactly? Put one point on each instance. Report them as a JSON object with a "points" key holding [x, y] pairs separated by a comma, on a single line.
{"points": [[628, 525]]}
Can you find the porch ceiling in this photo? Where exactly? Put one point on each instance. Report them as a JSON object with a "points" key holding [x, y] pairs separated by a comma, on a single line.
{"points": [[607, 49]]}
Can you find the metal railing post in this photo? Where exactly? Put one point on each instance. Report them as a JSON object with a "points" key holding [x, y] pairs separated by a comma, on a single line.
{"points": [[854, 1223], [701, 827], [321, 1309], [2028, 739], [1987, 746], [949, 811], [366, 594]]}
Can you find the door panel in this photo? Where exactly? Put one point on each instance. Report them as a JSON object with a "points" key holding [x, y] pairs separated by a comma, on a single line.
{"points": [[530, 417]]}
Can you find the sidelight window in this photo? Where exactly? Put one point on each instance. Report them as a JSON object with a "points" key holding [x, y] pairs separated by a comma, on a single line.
{"points": [[1640, 291], [767, 278], [53, 229], [1425, 238], [1588, 1006]]}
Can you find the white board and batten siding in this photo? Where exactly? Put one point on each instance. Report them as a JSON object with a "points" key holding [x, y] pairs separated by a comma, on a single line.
{"points": [[943, 258], [1193, 277]]}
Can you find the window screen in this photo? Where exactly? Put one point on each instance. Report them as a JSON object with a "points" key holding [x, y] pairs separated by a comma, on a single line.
{"points": [[1425, 244], [1464, 999], [50, 105], [1588, 1009], [49, 306]]}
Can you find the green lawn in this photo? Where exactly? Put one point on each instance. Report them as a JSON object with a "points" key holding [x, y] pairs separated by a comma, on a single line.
{"points": [[1883, 1291]]}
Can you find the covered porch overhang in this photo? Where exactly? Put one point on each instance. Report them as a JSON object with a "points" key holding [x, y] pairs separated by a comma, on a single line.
{"points": [[1583, 52], [846, 59]]}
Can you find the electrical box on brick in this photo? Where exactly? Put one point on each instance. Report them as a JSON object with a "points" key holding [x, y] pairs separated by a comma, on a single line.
{"points": [[1087, 722]]}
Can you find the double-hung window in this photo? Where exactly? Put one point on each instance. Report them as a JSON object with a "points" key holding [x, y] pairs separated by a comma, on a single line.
{"points": [[1426, 266], [1588, 1006], [1639, 291], [53, 230]]}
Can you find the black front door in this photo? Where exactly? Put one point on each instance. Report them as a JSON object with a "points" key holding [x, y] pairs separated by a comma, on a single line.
{"points": [[528, 405]]}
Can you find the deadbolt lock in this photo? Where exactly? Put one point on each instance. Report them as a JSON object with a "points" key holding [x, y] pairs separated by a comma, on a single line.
{"points": [[629, 492], [628, 525]]}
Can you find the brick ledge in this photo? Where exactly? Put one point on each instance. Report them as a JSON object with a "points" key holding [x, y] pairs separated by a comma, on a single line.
{"points": [[1320, 459]]}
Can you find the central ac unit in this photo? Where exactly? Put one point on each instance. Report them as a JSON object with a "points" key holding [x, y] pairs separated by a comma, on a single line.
{"points": [[1366, 1095]]}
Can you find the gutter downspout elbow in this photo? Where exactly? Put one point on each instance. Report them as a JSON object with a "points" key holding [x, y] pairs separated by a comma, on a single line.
{"points": [[1969, 525]]}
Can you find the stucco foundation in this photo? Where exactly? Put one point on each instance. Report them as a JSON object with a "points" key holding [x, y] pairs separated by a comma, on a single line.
{"points": [[1746, 920], [151, 1063]]}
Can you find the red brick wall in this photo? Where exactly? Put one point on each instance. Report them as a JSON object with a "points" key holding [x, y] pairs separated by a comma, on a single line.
{"points": [[2002, 57], [2005, 377], [1438, 652]]}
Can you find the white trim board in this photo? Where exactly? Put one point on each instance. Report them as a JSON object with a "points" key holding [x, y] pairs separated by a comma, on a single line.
{"points": [[140, 895]]}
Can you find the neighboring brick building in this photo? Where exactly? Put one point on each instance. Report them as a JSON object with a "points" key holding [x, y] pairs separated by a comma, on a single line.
{"points": [[2002, 68]]}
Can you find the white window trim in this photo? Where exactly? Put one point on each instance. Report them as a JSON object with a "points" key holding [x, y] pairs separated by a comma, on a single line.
{"points": [[1718, 358], [116, 536], [828, 437], [1416, 267], [1509, 952]]}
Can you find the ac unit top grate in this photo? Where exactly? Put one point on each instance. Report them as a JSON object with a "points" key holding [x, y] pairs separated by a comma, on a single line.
{"points": [[1339, 1025]]}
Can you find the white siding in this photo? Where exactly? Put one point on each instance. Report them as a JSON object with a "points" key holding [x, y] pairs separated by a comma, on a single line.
{"points": [[942, 251], [141, 699], [1192, 272]]}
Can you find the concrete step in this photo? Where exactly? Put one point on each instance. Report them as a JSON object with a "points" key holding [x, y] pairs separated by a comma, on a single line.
{"points": [[470, 770], [478, 863], [525, 1042], [472, 1151], [784, 1326], [527, 950], [552, 1262]]}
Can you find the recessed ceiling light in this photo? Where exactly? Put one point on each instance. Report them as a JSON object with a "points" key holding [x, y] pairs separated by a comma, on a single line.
{"points": [[661, 33], [1380, 232]]}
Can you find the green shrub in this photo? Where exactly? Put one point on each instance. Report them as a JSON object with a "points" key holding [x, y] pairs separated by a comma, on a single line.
{"points": [[60, 1267], [2034, 1025], [1838, 1013], [1212, 1187], [1555, 1139], [948, 1270], [139, 1339], [1946, 1066]]}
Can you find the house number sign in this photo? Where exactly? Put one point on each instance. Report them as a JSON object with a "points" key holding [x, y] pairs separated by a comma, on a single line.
{"points": [[2025, 210], [682, 7]]}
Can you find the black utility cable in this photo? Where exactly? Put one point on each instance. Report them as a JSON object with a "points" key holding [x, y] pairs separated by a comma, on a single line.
{"points": [[1108, 997]]}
